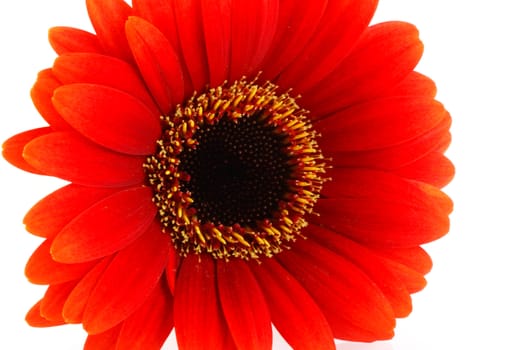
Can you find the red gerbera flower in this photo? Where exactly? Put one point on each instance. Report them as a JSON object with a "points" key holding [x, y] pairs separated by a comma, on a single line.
{"points": [[202, 196]]}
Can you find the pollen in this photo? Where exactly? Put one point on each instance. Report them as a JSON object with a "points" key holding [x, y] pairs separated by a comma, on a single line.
{"points": [[236, 172]]}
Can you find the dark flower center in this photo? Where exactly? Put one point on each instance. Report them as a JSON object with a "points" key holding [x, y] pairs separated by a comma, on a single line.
{"points": [[236, 171]]}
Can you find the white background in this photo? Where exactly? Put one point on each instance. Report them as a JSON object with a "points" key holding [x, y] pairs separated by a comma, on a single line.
{"points": [[474, 51]]}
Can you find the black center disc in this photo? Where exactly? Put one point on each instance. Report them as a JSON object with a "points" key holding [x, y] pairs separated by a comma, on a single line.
{"points": [[238, 171]]}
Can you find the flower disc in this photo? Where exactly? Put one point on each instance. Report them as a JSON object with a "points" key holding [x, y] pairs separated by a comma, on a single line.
{"points": [[235, 172]]}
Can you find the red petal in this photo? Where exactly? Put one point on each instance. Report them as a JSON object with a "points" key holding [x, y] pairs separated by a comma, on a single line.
{"points": [[353, 305], [383, 57], [342, 25], [149, 326], [50, 215], [384, 186], [162, 15], [293, 312], [369, 262], [217, 31], [127, 282], [13, 148], [103, 70], [396, 156], [53, 301], [66, 39], [413, 257], [103, 341], [35, 319], [70, 157], [41, 94], [382, 222], [238, 290], [411, 279], [253, 25], [415, 84], [434, 168], [109, 117], [198, 319], [173, 260], [42, 269], [74, 306], [379, 123], [190, 31], [106, 227], [158, 63], [296, 25], [108, 18]]}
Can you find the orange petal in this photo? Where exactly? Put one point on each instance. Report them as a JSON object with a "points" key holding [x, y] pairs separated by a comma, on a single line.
{"points": [[434, 169], [253, 24], [41, 94], [190, 31], [109, 117], [148, 327], [382, 223], [103, 341], [158, 63], [127, 282], [197, 309], [108, 18], [384, 56], [53, 301], [397, 156], [13, 148], [341, 26], [66, 39], [414, 84], [353, 305], [239, 290], [42, 269], [296, 25], [50, 215], [217, 32], [379, 124], [173, 260], [369, 262], [293, 312], [106, 227], [415, 258], [385, 186], [72, 158], [92, 68], [74, 306], [162, 15], [35, 319]]}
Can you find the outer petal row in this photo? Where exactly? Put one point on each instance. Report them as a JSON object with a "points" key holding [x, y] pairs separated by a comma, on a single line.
{"points": [[127, 281], [67, 156], [353, 305], [108, 18], [198, 318], [109, 117], [341, 26], [13, 148], [103, 297], [103, 70], [158, 63], [67, 40], [385, 54], [106, 227], [294, 313], [379, 124]]}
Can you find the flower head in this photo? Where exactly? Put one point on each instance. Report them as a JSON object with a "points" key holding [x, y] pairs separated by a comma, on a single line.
{"points": [[232, 165]]}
